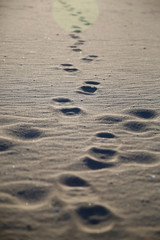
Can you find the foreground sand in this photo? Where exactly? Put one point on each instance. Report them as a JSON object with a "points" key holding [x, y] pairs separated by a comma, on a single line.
{"points": [[80, 129]]}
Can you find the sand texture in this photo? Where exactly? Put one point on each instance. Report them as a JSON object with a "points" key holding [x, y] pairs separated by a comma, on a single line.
{"points": [[80, 122]]}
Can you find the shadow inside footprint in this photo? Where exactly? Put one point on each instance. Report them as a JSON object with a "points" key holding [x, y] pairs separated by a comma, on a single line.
{"points": [[71, 111], [5, 144], [96, 165], [143, 113], [105, 135], [73, 181], [94, 214], [88, 89]]}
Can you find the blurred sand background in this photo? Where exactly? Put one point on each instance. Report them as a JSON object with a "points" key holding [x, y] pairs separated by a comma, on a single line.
{"points": [[79, 122]]}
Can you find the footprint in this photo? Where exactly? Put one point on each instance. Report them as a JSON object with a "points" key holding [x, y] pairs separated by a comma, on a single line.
{"points": [[76, 50], [102, 153], [25, 132], [88, 89], [73, 46], [111, 119], [66, 65], [93, 56], [87, 59], [73, 36], [71, 111], [92, 82], [5, 144], [75, 26], [77, 31], [61, 100], [73, 181], [96, 165], [70, 69], [143, 113], [105, 135], [140, 157], [135, 126], [27, 192], [80, 42], [95, 216]]}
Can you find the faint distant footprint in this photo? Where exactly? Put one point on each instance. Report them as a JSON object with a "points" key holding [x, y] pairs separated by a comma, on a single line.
{"points": [[89, 58], [69, 67]]}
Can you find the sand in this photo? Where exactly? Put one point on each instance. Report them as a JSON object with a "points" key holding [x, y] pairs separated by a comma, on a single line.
{"points": [[80, 123]]}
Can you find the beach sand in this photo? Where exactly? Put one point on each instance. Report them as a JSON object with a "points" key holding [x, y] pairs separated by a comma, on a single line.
{"points": [[79, 122]]}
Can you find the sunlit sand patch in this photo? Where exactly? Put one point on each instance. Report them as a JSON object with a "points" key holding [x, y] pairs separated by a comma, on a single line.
{"points": [[75, 15]]}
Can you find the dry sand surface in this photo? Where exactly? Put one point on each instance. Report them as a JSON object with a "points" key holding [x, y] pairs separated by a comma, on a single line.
{"points": [[80, 122]]}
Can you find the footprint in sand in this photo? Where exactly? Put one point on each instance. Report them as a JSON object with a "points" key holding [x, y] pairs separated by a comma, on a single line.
{"points": [[72, 111], [77, 50], [61, 100], [5, 144], [105, 135], [143, 113], [135, 126], [93, 164], [89, 58], [80, 42], [102, 153], [138, 157], [74, 36], [95, 217], [67, 111], [111, 119], [73, 181], [26, 132], [27, 192], [92, 82], [69, 67], [87, 90]]}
